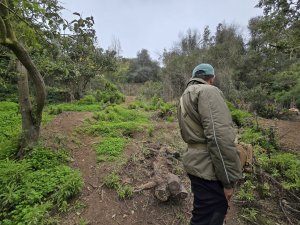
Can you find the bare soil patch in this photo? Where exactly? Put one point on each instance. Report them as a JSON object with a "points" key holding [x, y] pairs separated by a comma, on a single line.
{"points": [[287, 132]]}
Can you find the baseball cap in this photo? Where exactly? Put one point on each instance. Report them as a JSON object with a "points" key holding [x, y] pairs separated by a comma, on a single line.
{"points": [[204, 68]]}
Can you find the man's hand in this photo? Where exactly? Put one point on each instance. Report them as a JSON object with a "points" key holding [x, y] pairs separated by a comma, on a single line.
{"points": [[228, 193]]}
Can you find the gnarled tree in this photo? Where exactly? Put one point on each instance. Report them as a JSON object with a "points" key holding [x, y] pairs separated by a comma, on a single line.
{"points": [[31, 116]]}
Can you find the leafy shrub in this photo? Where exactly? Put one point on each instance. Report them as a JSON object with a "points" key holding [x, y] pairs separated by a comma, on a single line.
{"points": [[8, 92], [251, 136], [109, 94], [88, 99], [246, 192], [250, 214], [164, 109], [151, 89], [241, 118], [284, 166], [55, 95]]}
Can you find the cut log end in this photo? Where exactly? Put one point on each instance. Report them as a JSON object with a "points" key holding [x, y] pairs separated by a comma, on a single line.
{"points": [[162, 193]]}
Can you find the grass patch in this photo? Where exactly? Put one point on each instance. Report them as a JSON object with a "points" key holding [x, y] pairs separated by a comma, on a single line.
{"points": [[77, 106], [165, 110], [115, 124], [32, 188], [110, 148]]}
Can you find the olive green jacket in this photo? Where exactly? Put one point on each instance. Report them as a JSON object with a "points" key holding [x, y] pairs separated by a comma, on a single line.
{"points": [[206, 126]]}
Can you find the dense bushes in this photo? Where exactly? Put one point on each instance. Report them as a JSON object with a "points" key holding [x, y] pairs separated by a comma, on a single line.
{"points": [[110, 95], [55, 95], [8, 92]]}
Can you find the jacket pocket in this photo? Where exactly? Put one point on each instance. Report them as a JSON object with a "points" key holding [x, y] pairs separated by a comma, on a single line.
{"points": [[198, 163]]}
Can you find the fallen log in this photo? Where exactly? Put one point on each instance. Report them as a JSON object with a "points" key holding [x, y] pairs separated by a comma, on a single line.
{"points": [[165, 184], [162, 192]]}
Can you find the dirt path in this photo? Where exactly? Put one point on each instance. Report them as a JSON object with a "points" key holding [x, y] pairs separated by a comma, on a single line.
{"points": [[101, 205], [288, 133]]}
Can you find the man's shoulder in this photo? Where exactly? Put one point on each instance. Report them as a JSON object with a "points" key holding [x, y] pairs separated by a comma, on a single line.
{"points": [[202, 88], [208, 88]]}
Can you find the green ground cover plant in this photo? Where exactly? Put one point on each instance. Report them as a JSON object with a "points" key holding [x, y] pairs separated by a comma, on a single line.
{"points": [[165, 110], [10, 128], [110, 148], [115, 124], [269, 159], [116, 121], [93, 102], [113, 181], [31, 189]]}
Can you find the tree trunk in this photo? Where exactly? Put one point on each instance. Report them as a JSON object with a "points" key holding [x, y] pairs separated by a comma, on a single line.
{"points": [[30, 132], [31, 117]]}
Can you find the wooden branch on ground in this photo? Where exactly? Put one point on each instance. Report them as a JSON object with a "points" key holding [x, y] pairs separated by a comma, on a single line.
{"points": [[284, 212], [265, 174]]}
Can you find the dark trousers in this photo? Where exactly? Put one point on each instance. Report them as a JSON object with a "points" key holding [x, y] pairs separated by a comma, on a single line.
{"points": [[210, 204]]}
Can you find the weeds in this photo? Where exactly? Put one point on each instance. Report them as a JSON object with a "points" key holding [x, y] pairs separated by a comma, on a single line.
{"points": [[165, 110], [247, 191], [250, 214], [282, 166], [125, 191], [151, 131], [116, 125], [83, 221], [113, 181], [31, 188]]}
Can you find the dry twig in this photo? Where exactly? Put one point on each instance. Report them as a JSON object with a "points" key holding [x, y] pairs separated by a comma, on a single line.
{"points": [[284, 212]]}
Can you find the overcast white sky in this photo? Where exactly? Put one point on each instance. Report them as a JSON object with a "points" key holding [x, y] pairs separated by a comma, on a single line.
{"points": [[156, 24]]}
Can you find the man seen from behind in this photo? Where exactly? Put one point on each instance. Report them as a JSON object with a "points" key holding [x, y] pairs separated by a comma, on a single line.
{"points": [[211, 160]]}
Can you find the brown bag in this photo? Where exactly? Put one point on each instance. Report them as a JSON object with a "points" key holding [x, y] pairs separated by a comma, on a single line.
{"points": [[246, 156]]}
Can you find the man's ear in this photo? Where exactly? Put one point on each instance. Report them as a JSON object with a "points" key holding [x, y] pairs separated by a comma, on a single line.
{"points": [[212, 80]]}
